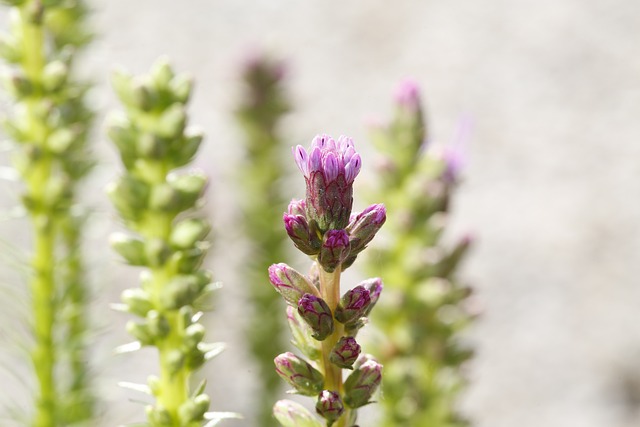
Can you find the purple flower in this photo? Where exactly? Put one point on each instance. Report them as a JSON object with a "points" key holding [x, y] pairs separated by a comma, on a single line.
{"points": [[290, 284], [408, 95], [455, 154], [317, 314], [297, 207], [335, 249], [329, 169], [329, 406]]}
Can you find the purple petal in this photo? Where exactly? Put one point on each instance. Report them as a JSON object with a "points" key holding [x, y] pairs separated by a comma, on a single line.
{"points": [[331, 167], [315, 160], [352, 168], [302, 159]]}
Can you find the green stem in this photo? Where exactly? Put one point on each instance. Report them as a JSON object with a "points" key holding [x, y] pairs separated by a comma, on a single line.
{"points": [[330, 292], [43, 290], [42, 284]]}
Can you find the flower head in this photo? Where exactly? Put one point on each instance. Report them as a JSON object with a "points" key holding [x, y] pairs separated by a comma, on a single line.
{"points": [[329, 169]]}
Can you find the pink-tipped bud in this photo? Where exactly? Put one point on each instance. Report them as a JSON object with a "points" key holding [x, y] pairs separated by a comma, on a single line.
{"points": [[363, 382], [329, 406], [335, 249], [374, 286], [353, 305], [317, 314], [363, 228], [345, 353], [299, 374], [290, 284], [407, 95], [297, 207], [298, 230]]}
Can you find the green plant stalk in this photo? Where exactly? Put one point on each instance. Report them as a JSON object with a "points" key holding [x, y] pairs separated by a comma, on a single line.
{"points": [[261, 109], [330, 292], [42, 285]]}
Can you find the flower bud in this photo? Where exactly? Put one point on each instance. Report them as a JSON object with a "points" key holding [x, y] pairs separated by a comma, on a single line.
{"points": [[363, 382], [292, 414], [137, 301], [374, 286], [183, 290], [129, 248], [187, 149], [290, 284], [353, 305], [301, 333], [158, 416], [298, 230], [140, 331], [345, 353], [317, 314], [335, 249], [193, 410], [54, 75], [329, 406], [407, 96], [299, 374], [172, 121], [188, 232], [297, 207], [364, 226]]}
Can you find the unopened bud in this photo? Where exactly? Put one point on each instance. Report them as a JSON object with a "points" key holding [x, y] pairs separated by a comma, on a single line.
{"points": [[290, 284], [345, 353], [335, 249], [364, 226], [299, 232], [129, 248], [299, 374], [329, 406], [187, 233], [353, 305], [374, 286], [301, 333], [317, 314], [363, 382], [292, 414], [137, 301], [193, 410]]}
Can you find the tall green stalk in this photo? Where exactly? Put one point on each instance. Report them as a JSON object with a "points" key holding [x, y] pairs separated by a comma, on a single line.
{"points": [[262, 108], [156, 204], [50, 123], [425, 306]]}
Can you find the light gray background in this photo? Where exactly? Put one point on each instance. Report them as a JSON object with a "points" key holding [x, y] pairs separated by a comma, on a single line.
{"points": [[551, 181]]}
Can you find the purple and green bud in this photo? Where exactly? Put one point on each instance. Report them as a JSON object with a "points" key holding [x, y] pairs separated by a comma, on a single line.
{"points": [[329, 406], [364, 226], [317, 314], [292, 414], [353, 305], [329, 169], [297, 207], [290, 284], [363, 382], [345, 353], [301, 333], [301, 235], [335, 250], [303, 377], [407, 96], [374, 286]]}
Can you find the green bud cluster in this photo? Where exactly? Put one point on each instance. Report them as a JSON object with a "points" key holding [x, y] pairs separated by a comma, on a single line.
{"points": [[50, 124], [152, 199], [261, 108], [425, 306]]}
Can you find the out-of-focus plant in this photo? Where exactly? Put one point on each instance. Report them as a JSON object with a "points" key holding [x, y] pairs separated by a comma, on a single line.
{"points": [[262, 108], [50, 123], [323, 322], [156, 204], [424, 307]]}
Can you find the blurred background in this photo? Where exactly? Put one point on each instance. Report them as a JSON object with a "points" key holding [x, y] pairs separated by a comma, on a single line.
{"points": [[550, 185]]}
